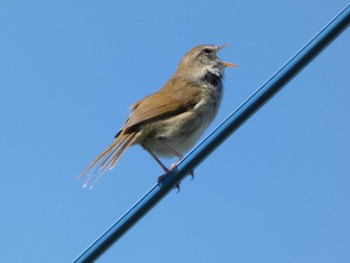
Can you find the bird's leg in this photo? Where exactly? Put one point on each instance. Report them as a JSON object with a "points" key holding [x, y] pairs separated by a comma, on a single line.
{"points": [[166, 170], [176, 153]]}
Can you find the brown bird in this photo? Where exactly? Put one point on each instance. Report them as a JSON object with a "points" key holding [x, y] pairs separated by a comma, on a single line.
{"points": [[170, 121]]}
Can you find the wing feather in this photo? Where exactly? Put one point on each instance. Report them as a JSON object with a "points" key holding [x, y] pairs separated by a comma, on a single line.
{"points": [[153, 107]]}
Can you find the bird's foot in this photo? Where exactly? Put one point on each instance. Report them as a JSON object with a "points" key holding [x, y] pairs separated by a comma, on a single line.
{"points": [[174, 165]]}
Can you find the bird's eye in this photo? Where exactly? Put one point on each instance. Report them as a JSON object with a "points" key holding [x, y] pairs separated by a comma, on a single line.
{"points": [[207, 50]]}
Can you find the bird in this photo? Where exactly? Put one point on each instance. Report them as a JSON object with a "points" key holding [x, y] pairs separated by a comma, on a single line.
{"points": [[170, 121]]}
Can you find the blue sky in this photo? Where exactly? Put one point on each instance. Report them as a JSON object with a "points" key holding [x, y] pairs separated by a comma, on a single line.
{"points": [[276, 191]]}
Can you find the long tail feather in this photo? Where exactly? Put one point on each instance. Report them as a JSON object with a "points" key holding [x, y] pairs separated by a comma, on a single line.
{"points": [[108, 158]]}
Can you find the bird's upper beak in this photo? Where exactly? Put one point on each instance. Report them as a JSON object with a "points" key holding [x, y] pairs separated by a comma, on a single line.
{"points": [[226, 64]]}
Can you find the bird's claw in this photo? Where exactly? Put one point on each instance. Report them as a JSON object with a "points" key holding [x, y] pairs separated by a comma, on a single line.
{"points": [[160, 179], [192, 175], [177, 186]]}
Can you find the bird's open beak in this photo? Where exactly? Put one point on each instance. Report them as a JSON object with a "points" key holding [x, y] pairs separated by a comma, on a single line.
{"points": [[226, 64]]}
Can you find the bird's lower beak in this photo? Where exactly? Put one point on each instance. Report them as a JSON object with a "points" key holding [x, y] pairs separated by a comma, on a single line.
{"points": [[226, 64], [229, 64]]}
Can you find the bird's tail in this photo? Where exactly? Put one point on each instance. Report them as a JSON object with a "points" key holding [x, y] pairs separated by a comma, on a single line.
{"points": [[107, 159]]}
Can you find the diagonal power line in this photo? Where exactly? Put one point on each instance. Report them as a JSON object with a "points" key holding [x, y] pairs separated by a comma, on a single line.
{"points": [[274, 84]]}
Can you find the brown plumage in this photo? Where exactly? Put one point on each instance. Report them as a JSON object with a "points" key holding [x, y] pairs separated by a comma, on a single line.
{"points": [[170, 121]]}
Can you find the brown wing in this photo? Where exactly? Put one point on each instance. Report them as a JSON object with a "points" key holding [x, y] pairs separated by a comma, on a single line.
{"points": [[153, 107]]}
